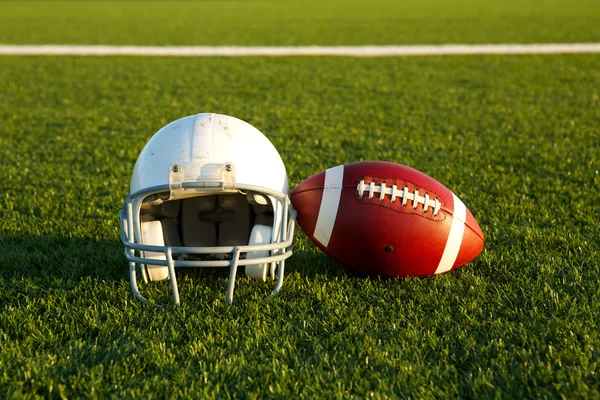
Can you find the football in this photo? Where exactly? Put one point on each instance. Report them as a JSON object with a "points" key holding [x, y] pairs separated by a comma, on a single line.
{"points": [[387, 219]]}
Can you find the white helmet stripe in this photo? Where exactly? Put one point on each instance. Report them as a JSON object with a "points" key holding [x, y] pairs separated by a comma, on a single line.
{"points": [[332, 191], [455, 237]]}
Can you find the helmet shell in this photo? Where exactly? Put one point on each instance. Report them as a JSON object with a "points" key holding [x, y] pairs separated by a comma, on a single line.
{"points": [[210, 138]]}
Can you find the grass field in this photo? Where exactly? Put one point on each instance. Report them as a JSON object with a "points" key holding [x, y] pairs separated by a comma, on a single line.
{"points": [[515, 137], [299, 22]]}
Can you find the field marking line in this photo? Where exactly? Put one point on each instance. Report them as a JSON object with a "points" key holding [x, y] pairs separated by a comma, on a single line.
{"points": [[352, 51]]}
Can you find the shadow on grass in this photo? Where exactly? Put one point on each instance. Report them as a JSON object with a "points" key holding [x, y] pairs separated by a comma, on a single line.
{"points": [[47, 256], [314, 263], [34, 266]]}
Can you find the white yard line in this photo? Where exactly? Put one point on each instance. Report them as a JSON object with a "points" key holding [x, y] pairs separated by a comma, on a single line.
{"points": [[354, 51]]}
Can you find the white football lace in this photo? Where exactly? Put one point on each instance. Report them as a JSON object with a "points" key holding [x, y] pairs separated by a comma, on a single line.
{"points": [[403, 193]]}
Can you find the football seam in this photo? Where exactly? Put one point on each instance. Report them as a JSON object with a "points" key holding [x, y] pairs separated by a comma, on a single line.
{"points": [[446, 211], [295, 191], [470, 227], [403, 180], [474, 231], [405, 212]]}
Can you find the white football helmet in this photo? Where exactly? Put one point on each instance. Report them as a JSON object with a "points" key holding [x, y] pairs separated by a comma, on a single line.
{"points": [[207, 190]]}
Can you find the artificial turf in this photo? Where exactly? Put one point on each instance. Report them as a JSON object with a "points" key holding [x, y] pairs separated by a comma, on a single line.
{"points": [[299, 22], [515, 137]]}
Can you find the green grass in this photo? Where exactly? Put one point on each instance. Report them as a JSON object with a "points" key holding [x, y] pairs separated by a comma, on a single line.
{"points": [[515, 137], [299, 22]]}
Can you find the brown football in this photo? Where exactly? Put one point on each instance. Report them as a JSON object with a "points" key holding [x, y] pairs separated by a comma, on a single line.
{"points": [[387, 219]]}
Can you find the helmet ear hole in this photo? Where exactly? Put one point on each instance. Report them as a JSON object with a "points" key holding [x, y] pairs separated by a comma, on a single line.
{"points": [[260, 203], [152, 233], [261, 234]]}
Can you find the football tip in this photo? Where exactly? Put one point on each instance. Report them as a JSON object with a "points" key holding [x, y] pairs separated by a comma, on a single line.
{"points": [[473, 242]]}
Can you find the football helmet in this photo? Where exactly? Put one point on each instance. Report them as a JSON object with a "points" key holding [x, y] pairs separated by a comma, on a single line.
{"points": [[207, 190]]}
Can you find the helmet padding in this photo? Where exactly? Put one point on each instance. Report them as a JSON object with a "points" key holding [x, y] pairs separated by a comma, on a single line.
{"points": [[209, 221]]}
